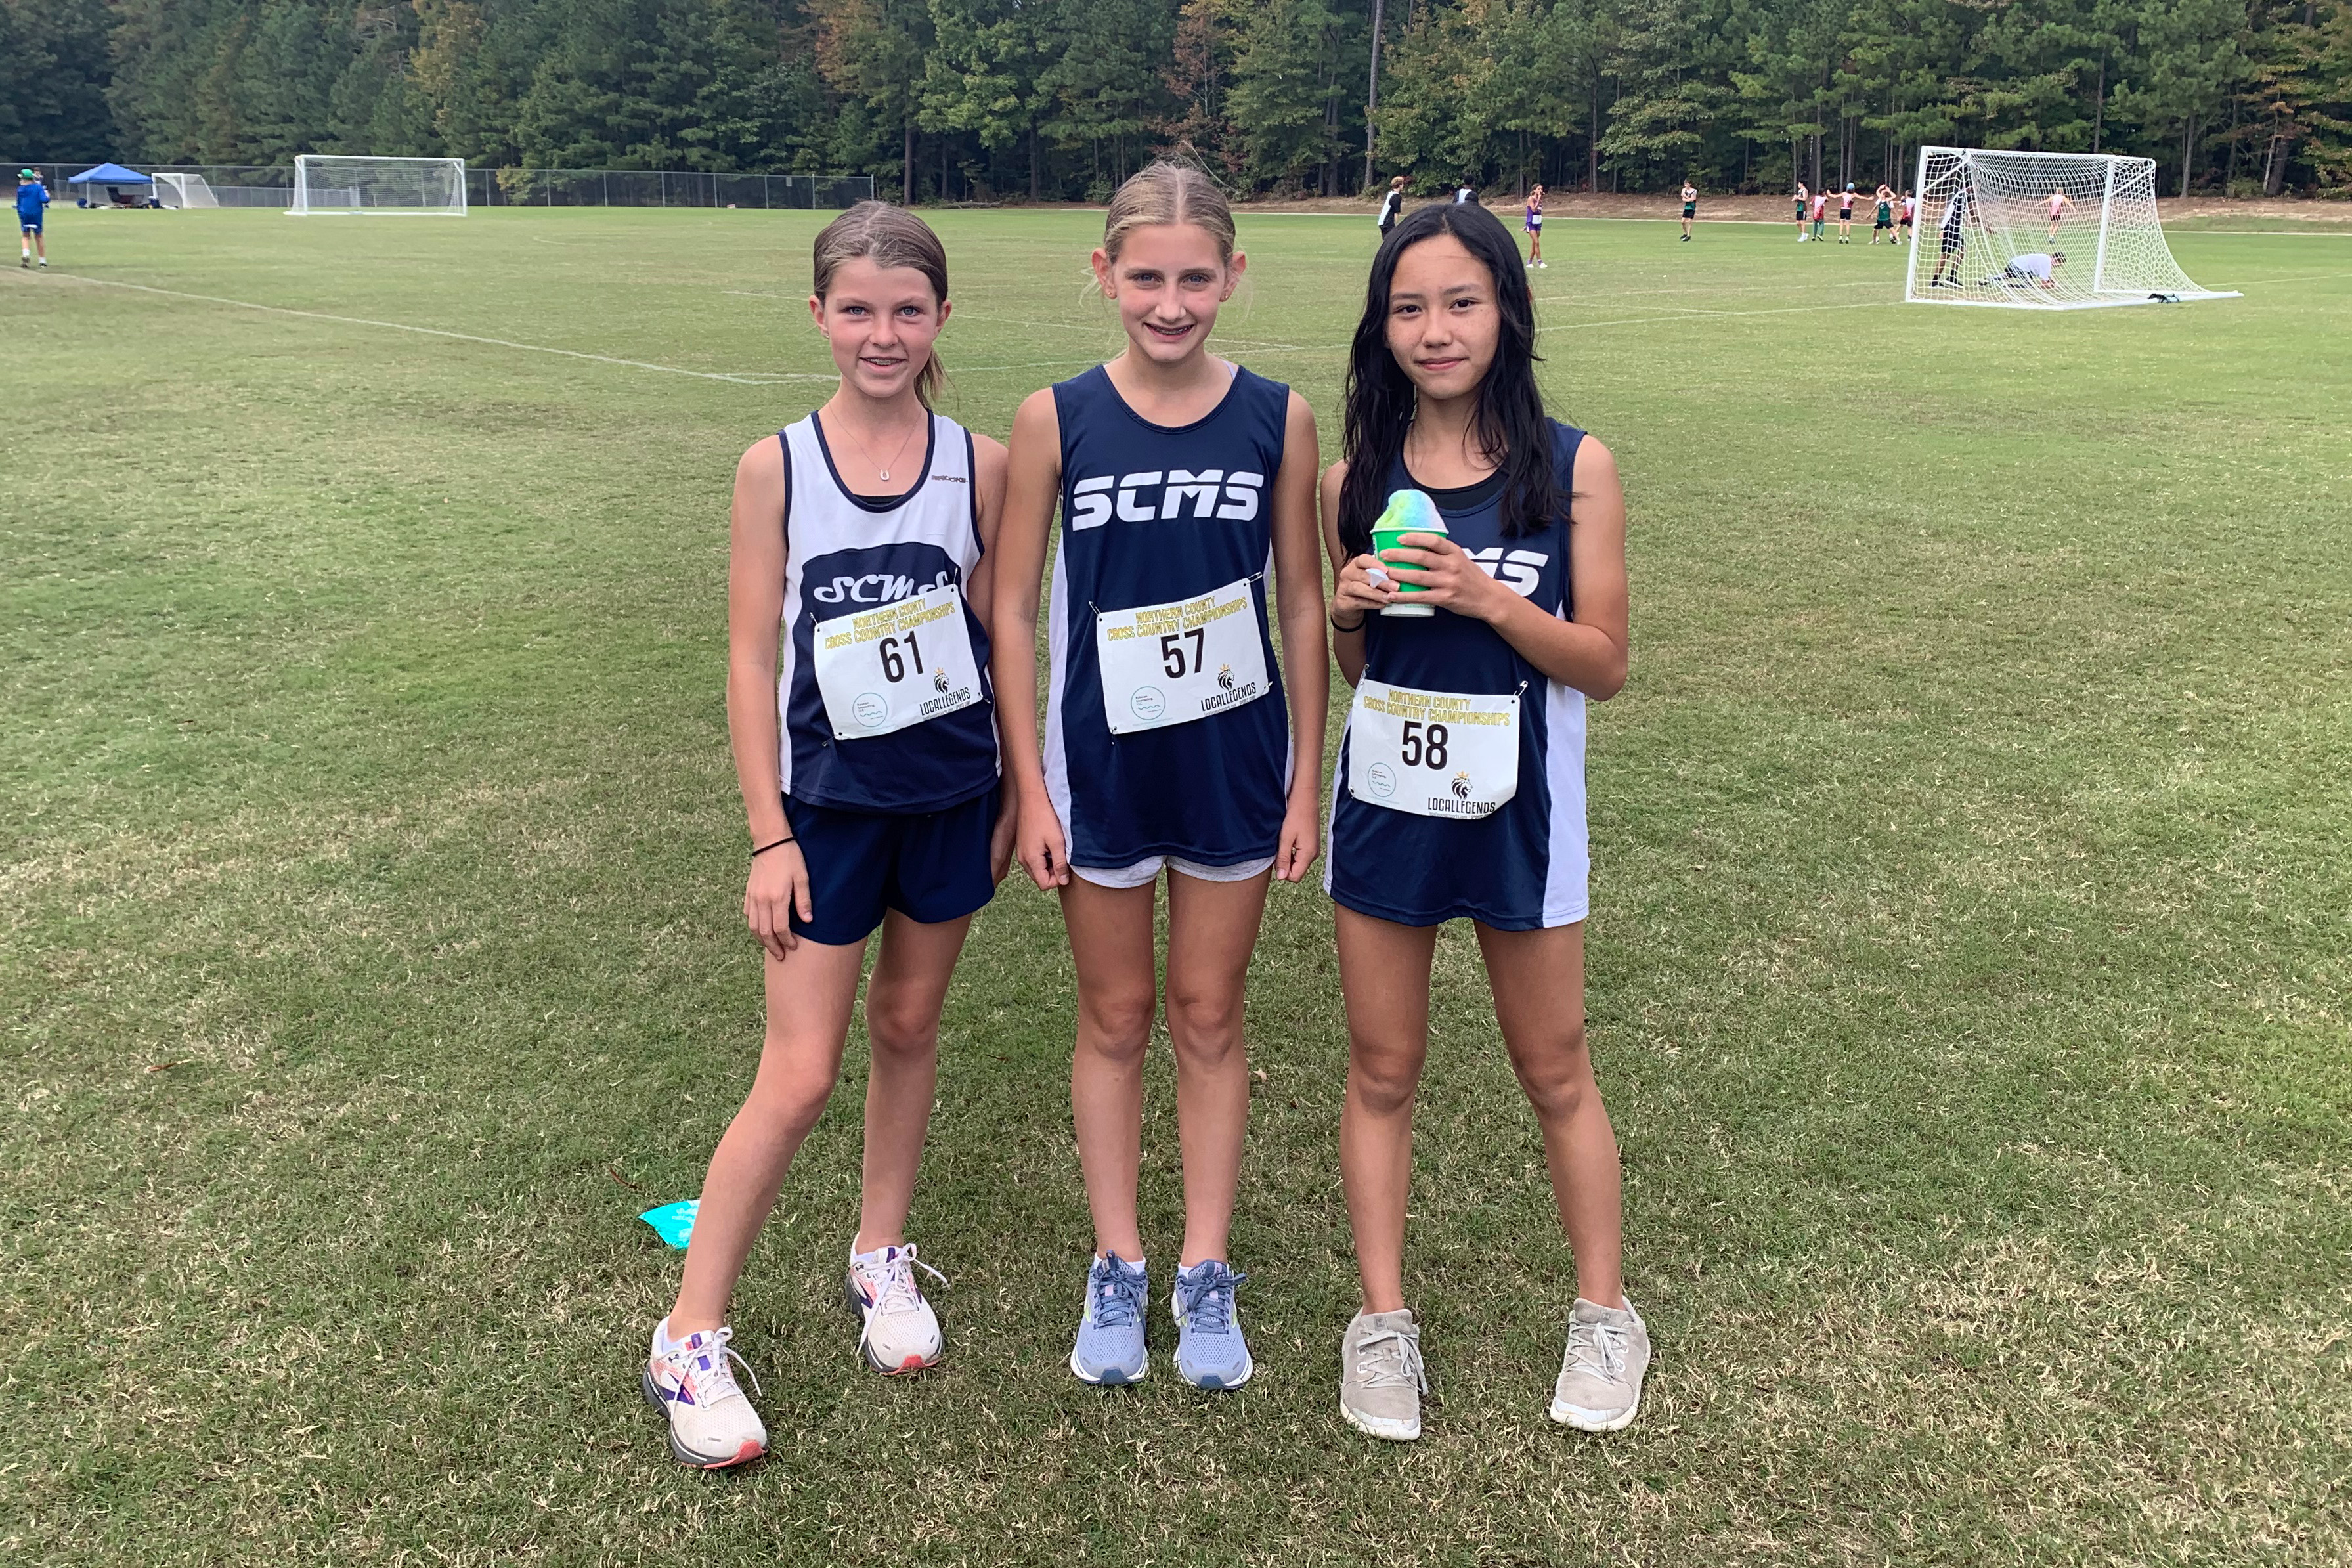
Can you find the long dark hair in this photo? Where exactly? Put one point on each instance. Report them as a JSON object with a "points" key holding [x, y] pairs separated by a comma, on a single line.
{"points": [[1510, 424]]}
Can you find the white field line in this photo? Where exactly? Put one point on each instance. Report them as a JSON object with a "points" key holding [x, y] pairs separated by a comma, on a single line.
{"points": [[757, 378]]}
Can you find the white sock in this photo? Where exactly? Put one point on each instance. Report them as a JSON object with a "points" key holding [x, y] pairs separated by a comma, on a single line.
{"points": [[1132, 1264], [874, 1260]]}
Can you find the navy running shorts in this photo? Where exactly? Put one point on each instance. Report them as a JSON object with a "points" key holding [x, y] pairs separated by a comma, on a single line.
{"points": [[929, 866]]}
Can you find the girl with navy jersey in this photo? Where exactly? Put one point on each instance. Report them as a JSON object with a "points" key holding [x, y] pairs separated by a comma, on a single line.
{"points": [[1174, 742], [1459, 792], [866, 743]]}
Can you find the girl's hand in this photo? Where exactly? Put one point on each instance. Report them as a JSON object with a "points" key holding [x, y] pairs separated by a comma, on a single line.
{"points": [[1358, 594], [777, 888], [1037, 845], [1000, 840], [1302, 838], [1449, 579]]}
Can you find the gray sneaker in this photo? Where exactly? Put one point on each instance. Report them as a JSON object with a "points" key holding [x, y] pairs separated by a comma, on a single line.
{"points": [[1599, 1386], [1381, 1380]]}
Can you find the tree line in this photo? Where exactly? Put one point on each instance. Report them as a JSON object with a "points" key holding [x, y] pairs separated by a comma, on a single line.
{"points": [[1058, 100]]}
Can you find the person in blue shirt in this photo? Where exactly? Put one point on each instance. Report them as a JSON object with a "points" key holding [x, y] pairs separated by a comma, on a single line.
{"points": [[32, 200]]}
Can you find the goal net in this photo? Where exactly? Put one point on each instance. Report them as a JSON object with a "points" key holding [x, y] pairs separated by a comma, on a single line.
{"points": [[335, 184], [2051, 231], [185, 190]]}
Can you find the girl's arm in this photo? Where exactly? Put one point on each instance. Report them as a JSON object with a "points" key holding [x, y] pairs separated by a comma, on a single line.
{"points": [[1305, 670], [1588, 653], [988, 495], [1354, 596], [1032, 486], [778, 884]]}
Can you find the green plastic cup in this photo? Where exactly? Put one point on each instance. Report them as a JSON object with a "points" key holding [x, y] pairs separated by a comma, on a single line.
{"points": [[1408, 511]]}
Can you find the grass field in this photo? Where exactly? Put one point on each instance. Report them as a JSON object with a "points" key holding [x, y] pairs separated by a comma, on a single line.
{"points": [[1973, 890]]}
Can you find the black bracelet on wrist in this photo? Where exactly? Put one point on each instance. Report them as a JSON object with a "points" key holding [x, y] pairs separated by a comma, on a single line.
{"points": [[1356, 627], [775, 844]]}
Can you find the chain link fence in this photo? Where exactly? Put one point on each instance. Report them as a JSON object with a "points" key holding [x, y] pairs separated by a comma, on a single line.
{"points": [[662, 188], [267, 185]]}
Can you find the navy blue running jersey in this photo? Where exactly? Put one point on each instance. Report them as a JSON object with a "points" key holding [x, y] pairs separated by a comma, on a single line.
{"points": [[1524, 867], [1152, 516], [914, 729]]}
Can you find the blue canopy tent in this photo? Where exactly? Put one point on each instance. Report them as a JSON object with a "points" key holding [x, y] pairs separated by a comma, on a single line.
{"points": [[112, 186]]}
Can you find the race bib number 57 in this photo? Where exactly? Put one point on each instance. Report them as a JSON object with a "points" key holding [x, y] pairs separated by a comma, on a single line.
{"points": [[1433, 753], [885, 668], [1173, 663]]}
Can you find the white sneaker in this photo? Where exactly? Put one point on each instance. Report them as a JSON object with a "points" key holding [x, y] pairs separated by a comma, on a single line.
{"points": [[1599, 1386], [1381, 1376], [711, 1424], [902, 1333]]}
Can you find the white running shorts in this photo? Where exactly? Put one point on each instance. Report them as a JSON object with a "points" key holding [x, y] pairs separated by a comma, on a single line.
{"points": [[1145, 870]]}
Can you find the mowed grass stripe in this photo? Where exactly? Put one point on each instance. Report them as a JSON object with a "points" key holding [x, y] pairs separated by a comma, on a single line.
{"points": [[1968, 964]]}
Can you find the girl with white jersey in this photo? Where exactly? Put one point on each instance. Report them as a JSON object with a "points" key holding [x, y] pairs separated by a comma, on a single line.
{"points": [[864, 739], [1187, 490], [1460, 788]]}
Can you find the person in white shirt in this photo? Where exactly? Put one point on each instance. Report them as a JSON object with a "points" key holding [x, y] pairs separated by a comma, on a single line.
{"points": [[1391, 205], [1465, 194], [2034, 267]]}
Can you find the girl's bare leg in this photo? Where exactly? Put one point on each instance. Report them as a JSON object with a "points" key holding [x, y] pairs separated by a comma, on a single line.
{"points": [[903, 999], [1212, 927], [1539, 981], [1110, 944], [1384, 976], [810, 993]]}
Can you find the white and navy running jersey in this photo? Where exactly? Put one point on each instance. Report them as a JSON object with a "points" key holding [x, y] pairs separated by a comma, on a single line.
{"points": [[1159, 516], [1524, 867], [844, 554]]}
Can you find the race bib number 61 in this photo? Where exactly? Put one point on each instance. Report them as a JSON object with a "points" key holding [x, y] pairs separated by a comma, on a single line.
{"points": [[883, 670], [1433, 753], [1173, 663]]}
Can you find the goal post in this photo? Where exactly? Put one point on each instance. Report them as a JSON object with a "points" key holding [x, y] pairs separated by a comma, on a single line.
{"points": [[327, 184], [2041, 231], [185, 190]]}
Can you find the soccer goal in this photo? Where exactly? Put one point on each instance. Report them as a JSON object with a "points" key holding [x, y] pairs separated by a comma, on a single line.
{"points": [[2046, 231], [325, 185], [185, 190]]}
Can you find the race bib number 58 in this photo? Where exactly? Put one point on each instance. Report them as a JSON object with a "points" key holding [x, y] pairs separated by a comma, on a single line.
{"points": [[885, 668], [1174, 663], [1433, 753]]}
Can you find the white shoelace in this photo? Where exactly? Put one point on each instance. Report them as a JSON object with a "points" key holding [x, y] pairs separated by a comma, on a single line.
{"points": [[1390, 1358], [1598, 1349], [896, 1294], [717, 1381]]}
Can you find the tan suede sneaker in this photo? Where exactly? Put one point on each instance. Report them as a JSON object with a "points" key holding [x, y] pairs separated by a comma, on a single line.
{"points": [[1381, 1380], [1599, 1386]]}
